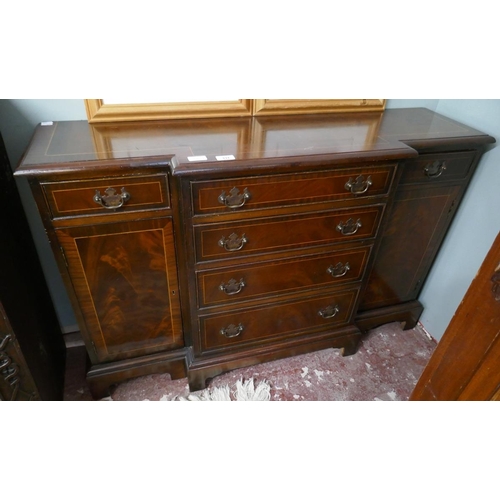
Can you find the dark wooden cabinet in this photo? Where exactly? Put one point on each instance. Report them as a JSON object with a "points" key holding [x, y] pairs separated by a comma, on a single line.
{"points": [[32, 350], [16, 379], [199, 246]]}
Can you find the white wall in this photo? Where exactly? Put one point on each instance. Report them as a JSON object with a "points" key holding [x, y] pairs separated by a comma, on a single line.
{"points": [[474, 229]]}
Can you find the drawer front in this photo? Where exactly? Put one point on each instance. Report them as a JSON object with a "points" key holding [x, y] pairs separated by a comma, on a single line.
{"points": [[437, 167], [291, 318], [104, 196], [229, 240], [256, 281], [277, 190]]}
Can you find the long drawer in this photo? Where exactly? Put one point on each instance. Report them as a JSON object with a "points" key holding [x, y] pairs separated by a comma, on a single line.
{"points": [[232, 239], [248, 282], [283, 190], [291, 318]]}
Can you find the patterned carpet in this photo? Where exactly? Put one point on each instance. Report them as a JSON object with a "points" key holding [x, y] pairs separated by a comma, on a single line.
{"points": [[385, 368]]}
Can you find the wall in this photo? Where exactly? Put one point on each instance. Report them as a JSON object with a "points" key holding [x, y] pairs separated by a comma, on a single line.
{"points": [[471, 235], [18, 118], [412, 103]]}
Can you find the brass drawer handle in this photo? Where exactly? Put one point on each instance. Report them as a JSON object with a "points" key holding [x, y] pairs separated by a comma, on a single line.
{"points": [[232, 287], [234, 199], [233, 243], [111, 199], [349, 227], [329, 312], [435, 169], [232, 331], [358, 186], [339, 270]]}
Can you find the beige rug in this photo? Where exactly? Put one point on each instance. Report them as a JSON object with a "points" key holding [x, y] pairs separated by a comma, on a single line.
{"points": [[242, 391]]}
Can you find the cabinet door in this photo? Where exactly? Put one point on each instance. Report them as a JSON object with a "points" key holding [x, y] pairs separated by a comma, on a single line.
{"points": [[125, 283], [414, 231]]}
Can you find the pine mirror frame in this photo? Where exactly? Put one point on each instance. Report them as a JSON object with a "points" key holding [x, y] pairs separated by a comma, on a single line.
{"points": [[98, 111]]}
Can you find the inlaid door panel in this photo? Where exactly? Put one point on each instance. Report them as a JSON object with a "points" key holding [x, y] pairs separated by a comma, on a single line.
{"points": [[415, 229], [124, 278]]}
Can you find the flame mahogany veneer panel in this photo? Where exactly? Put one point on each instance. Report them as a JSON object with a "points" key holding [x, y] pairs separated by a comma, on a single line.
{"points": [[125, 278], [411, 240]]}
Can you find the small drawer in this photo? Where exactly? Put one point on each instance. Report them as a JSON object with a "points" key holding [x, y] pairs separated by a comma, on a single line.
{"points": [[256, 281], [291, 318], [284, 190], [229, 240], [104, 196], [437, 167]]}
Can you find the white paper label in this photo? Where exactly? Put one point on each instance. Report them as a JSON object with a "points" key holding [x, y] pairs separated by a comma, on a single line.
{"points": [[224, 157], [197, 158], [46, 124]]}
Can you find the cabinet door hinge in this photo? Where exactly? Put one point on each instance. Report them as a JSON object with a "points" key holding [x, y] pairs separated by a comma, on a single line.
{"points": [[93, 346]]}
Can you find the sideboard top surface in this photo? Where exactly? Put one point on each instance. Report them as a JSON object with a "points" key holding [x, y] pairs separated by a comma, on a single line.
{"points": [[195, 143]]}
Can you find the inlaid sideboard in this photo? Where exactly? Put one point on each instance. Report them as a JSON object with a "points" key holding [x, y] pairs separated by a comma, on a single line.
{"points": [[194, 247]]}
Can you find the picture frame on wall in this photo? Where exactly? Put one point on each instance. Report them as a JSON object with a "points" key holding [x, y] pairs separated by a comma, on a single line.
{"points": [[110, 110]]}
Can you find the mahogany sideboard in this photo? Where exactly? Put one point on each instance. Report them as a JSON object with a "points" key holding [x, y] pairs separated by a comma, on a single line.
{"points": [[198, 246]]}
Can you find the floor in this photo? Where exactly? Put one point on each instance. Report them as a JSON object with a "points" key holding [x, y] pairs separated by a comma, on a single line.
{"points": [[386, 367]]}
